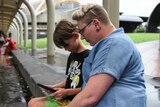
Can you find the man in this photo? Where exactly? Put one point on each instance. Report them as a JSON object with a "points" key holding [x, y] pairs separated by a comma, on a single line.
{"points": [[113, 71]]}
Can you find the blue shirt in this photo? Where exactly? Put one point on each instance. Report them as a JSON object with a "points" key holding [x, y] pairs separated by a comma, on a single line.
{"points": [[117, 55]]}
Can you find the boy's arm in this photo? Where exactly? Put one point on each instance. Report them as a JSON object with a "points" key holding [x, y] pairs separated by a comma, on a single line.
{"points": [[61, 93], [59, 85], [73, 91]]}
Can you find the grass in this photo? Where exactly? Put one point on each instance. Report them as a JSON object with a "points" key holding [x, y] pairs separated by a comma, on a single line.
{"points": [[143, 37], [136, 37], [41, 43]]}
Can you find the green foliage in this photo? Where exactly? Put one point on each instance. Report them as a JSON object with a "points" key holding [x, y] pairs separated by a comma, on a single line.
{"points": [[41, 43], [136, 37]]}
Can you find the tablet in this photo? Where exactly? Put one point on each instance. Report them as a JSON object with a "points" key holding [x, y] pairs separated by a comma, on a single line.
{"points": [[46, 87]]}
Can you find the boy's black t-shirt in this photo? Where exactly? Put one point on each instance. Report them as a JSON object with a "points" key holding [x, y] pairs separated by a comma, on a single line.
{"points": [[74, 70]]}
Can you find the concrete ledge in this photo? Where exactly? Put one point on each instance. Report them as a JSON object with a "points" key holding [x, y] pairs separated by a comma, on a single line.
{"points": [[35, 72]]}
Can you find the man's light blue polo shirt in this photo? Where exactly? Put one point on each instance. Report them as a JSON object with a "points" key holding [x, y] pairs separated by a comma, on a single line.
{"points": [[117, 55]]}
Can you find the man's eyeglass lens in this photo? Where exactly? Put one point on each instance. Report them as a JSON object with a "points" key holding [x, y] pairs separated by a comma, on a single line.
{"points": [[81, 31]]}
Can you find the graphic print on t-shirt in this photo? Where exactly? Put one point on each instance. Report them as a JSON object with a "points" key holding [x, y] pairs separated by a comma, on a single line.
{"points": [[74, 73]]}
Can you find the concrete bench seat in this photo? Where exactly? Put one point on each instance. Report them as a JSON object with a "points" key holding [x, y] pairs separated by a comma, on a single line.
{"points": [[35, 72]]}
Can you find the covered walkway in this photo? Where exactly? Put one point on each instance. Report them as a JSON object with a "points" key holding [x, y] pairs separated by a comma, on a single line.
{"points": [[9, 21], [12, 16]]}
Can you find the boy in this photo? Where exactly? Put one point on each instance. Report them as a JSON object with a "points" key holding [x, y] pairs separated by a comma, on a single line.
{"points": [[66, 36]]}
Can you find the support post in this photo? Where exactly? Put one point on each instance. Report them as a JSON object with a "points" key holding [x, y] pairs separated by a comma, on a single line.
{"points": [[50, 30]]}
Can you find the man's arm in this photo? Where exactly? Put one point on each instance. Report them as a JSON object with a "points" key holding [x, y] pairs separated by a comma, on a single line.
{"points": [[94, 90]]}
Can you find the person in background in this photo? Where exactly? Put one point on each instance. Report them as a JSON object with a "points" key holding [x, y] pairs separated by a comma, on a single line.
{"points": [[2, 40], [10, 45], [67, 37], [10, 34], [113, 71]]}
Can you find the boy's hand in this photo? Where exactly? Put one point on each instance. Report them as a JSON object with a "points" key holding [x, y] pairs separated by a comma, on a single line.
{"points": [[60, 93]]}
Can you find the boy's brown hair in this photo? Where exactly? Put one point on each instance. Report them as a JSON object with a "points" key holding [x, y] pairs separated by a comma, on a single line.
{"points": [[64, 30]]}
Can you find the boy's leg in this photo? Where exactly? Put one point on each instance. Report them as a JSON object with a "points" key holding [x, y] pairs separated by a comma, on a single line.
{"points": [[43, 102], [37, 102], [51, 102], [47, 102]]}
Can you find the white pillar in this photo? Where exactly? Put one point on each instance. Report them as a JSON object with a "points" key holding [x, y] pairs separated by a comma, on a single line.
{"points": [[18, 34], [50, 30], [34, 26], [25, 28], [13, 31], [14, 35], [112, 7], [20, 30]]}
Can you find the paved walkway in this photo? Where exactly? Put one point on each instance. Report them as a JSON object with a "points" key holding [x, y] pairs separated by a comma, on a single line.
{"points": [[151, 58]]}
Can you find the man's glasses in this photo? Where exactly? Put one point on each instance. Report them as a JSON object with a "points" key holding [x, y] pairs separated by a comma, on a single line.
{"points": [[81, 31]]}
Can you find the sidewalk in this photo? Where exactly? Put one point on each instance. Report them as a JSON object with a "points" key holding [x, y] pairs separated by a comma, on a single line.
{"points": [[151, 58]]}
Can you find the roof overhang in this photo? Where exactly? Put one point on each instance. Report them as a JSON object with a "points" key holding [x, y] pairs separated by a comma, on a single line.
{"points": [[8, 10]]}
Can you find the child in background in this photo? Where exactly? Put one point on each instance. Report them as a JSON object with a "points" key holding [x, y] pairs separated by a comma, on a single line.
{"points": [[2, 41], [10, 45]]}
